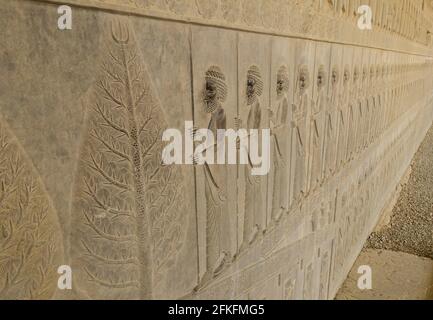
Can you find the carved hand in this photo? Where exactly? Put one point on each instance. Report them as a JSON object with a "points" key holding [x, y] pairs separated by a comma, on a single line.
{"points": [[238, 123], [193, 132]]}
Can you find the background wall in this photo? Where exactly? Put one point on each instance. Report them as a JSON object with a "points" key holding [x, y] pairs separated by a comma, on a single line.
{"points": [[83, 110]]}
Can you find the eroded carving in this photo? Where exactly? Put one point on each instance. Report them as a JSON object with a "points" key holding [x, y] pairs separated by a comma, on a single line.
{"points": [[317, 129], [30, 241], [342, 120], [254, 207], [299, 152], [279, 119], [215, 94], [330, 128]]}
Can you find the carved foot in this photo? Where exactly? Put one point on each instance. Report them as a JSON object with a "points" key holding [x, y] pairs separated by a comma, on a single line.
{"points": [[219, 267], [283, 210], [220, 264], [254, 234], [279, 214], [208, 276], [296, 205], [244, 246]]}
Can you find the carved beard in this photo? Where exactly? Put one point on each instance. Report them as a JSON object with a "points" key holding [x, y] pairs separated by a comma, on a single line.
{"points": [[210, 105], [281, 93], [251, 98]]}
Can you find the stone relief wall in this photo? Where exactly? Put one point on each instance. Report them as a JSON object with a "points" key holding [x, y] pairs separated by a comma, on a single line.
{"points": [[81, 176]]}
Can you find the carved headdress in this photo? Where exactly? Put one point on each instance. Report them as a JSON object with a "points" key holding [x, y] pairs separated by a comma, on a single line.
{"points": [[254, 84], [282, 80], [216, 88]]}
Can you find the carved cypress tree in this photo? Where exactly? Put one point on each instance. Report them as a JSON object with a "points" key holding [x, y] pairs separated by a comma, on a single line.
{"points": [[128, 206]]}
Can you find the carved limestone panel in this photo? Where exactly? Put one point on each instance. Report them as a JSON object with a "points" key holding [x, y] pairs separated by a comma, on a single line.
{"points": [[254, 68], [333, 105], [347, 82], [301, 111], [280, 117], [215, 107], [128, 223], [316, 124], [30, 237]]}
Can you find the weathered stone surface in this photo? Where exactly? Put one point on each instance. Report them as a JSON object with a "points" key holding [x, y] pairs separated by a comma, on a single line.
{"points": [[82, 117], [30, 234]]}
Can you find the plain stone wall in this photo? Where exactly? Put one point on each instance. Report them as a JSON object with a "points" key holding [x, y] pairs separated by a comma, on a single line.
{"points": [[82, 113]]}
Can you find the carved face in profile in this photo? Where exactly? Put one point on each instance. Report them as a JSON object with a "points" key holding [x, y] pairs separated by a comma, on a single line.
{"points": [[215, 91], [372, 72], [282, 81], [364, 74], [303, 80], [211, 91], [346, 76], [355, 75], [335, 77], [321, 78], [251, 86], [254, 84]]}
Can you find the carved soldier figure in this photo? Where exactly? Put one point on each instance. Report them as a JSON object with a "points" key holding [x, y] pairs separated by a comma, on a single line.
{"points": [[215, 93], [330, 136], [253, 203], [362, 111], [279, 127], [387, 94], [352, 117], [373, 106], [316, 131], [324, 276], [299, 155], [377, 85], [307, 291], [342, 129], [381, 98]]}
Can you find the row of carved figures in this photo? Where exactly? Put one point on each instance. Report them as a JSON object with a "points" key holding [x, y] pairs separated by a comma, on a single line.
{"points": [[312, 139], [317, 273]]}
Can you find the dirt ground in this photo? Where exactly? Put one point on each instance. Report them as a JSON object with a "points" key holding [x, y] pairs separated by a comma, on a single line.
{"points": [[411, 226], [401, 252]]}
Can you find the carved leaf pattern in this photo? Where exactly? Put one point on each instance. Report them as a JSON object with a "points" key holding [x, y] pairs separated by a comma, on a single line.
{"points": [[128, 206], [30, 240]]}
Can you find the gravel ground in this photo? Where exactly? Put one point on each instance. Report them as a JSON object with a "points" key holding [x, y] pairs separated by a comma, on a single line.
{"points": [[411, 226]]}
